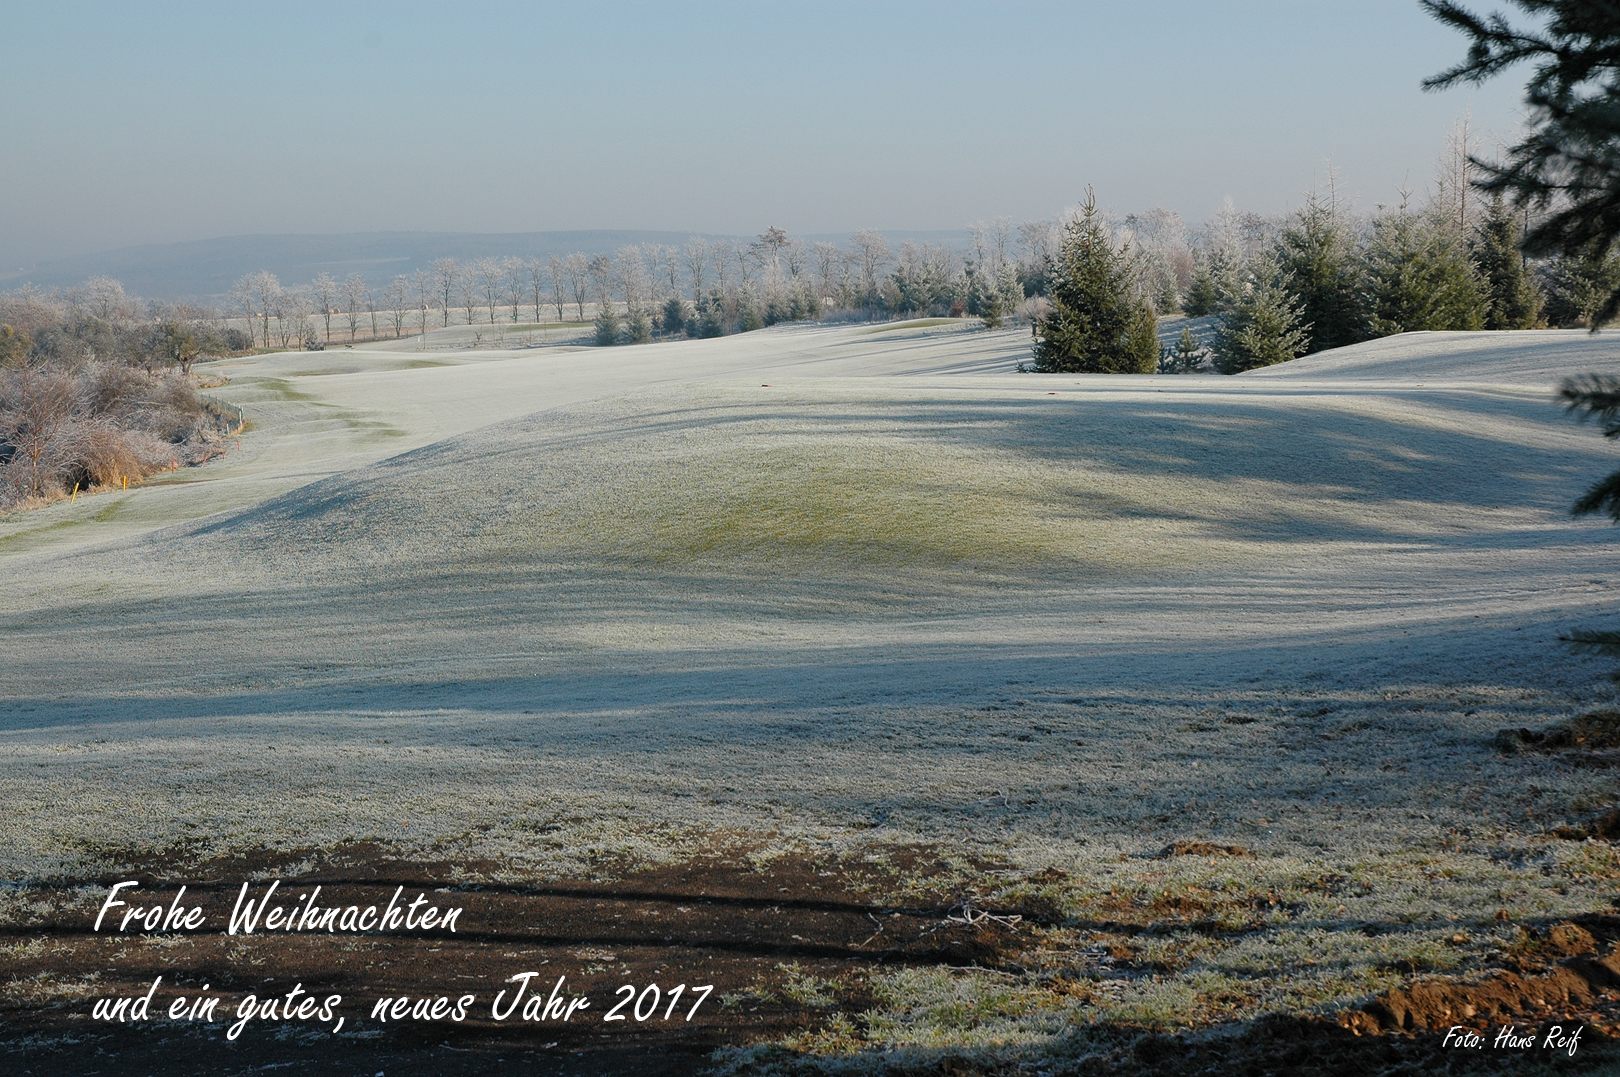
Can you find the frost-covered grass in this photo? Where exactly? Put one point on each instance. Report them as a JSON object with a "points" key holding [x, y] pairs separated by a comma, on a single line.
{"points": [[823, 587]]}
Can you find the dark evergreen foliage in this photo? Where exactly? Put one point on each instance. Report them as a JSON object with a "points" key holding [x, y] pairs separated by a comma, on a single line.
{"points": [[1512, 301], [1317, 254], [1095, 324], [1418, 277], [1567, 166], [1264, 326]]}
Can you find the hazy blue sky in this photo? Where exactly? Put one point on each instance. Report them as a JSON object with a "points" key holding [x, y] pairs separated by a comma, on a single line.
{"points": [[128, 122]]}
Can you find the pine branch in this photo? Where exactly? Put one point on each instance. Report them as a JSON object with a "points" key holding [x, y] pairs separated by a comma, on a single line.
{"points": [[1587, 641], [1594, 397], [1604, 496]]}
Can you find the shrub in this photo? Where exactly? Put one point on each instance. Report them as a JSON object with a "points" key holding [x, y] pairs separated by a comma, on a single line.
{"points": [[607, 327]]}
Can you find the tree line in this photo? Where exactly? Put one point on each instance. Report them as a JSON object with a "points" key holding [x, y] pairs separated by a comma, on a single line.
{"points": [[1317, 278]]}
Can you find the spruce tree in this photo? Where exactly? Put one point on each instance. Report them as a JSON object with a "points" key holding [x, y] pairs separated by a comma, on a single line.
{"points": [[1095, 324], [1577, 287], [1203, 297], [1142, 341], [1316, 254], [1011, 289], [637, 327], [988, 301], [1419, 278], [1185, 357], [607, 326], [1567, 164], [1264, 326], [675, 316], [1511, 298]]}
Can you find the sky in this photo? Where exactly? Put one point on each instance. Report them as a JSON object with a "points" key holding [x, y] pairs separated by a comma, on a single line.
{"points": [[143, 123]]}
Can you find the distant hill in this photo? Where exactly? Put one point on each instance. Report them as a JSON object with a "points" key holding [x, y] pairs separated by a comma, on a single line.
{"points": [[207, 268]]}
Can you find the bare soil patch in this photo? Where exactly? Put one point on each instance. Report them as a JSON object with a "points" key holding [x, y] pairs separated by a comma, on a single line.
{"points": [[787, 940], [744, 926]]}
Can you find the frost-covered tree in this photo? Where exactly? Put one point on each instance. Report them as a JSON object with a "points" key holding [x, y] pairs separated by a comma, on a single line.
{"points": [[1264, 326], [470, 292], [1203, 295], [263, 294], [638, 326], [538, 277], [1418, 276], [491, 274], [872, 253], [675, 316], [576, 268], [446, 276], [607, 325], [1512, 301], [1160, 239], [356, 296], [630, 269], [1576, 289], [558, 278], [399, 295], [325, 290], [515, 282], [1317, 254], [1095, 319], [1186, 357]]}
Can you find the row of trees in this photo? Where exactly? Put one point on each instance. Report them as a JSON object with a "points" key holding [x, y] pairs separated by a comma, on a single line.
{"points": [[722, 286], [1315, 280]]}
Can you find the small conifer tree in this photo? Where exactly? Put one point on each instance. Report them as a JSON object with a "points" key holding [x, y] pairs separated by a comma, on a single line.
{"points": [[1512, 301], [607, 326], [1419, 277], [1185, 357], [1095, 323], [1316, 254], [1264, 327]]}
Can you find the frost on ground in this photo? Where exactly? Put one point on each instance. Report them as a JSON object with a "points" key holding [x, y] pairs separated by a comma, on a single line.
{"points": [[836, 589]]}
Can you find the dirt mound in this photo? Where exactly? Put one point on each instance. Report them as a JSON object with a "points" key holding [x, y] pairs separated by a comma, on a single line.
{"points": [[1204, 848], [1605, 826], [1596, 732], [1584, 983]]}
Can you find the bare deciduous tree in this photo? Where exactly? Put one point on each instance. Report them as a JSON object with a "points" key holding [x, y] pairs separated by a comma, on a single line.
{"points": [[355, 298], [263, 292], [36, 420], [536, 272], [630, 267], [103, 297], [558, 283], [470, 291], [399, 294], [428, 284], [516, 277], [446, 275], [324, 291], [577, 267], [697, 257], [871, 252], [600, 270], [826, 265], [490, 273]]}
